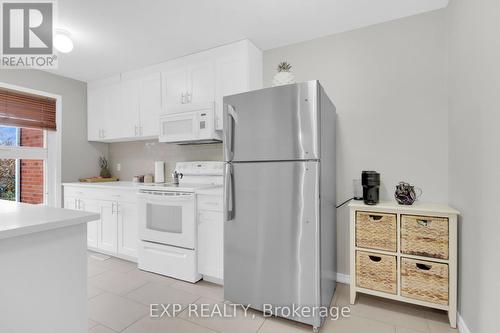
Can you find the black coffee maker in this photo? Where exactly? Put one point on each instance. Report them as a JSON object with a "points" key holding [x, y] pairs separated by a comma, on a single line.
{"points": [[371, 184]]}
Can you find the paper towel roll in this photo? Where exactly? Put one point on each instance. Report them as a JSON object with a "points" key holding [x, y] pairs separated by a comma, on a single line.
{"points": [[159, 172]]}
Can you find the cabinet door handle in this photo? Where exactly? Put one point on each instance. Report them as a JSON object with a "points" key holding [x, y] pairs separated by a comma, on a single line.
{"points": [[375, 258], [423, 267], [423, 223], [375, 218]]}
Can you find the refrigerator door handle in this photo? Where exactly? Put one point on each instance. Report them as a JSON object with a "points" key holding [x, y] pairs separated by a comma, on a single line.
{"points": [[231, 120], [229, 192]]}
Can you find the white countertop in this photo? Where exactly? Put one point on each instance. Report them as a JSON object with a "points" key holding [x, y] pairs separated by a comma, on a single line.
{"points": [[121, 185], [421, 207], [124, 185], [18, 219]]}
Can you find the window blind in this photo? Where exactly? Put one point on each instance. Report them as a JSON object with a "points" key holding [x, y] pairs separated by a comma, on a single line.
{"points": [[26, 110]]}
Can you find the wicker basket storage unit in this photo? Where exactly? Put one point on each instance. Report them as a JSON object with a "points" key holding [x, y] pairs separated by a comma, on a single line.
{"points": [[376, 272], [424, 280], [376, 231], [424, 236]]}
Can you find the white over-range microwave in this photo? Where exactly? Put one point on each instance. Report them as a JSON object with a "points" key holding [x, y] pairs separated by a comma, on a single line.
{"points": [[196, 125]]}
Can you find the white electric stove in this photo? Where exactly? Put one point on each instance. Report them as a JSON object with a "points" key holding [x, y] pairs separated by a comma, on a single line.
{"points": [[167, 221]]}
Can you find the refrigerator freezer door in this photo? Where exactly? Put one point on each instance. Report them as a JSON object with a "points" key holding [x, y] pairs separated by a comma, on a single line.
{"points": [[271, 235], [273, 124]]}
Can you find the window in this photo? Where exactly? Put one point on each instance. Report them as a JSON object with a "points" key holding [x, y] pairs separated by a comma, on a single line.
{"points": [[23, 164], [30, 146]]}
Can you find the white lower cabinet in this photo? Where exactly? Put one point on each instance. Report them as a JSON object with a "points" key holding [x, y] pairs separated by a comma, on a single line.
{"points": [[210, 237], [90, 205], [116, 232], [128, 235], [107, 232]]}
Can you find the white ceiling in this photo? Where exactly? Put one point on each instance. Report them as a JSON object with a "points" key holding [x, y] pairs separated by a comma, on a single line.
{"points": [[113, 36]]}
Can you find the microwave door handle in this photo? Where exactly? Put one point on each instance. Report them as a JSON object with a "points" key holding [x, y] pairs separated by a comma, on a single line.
{"points": [[231, 119], [229, 192]]}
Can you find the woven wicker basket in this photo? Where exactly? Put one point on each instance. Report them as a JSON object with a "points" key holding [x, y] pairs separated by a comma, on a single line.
{"points": [[424, 236], [424, 280], [376, 272], [376, 231]]}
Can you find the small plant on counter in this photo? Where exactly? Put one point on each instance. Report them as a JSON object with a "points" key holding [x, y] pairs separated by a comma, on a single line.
{"points": [[103, 164]]}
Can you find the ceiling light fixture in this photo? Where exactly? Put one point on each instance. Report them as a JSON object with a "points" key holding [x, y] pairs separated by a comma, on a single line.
{"points": [[62, 41]]}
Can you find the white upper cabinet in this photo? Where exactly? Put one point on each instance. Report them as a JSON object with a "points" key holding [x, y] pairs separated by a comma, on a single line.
{"points": [[129, 108], [128, 119], [150, 105], [103, 102], [125, 109], [201, 82], [188, 84], [175, 87]]}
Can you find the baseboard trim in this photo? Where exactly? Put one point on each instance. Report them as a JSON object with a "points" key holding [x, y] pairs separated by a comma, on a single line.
{"points": [[343, 278], [462, 327]]}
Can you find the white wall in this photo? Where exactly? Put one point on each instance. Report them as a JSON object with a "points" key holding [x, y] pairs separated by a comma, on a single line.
{"points": [[388, 82], [79, 157], [474, 118]]}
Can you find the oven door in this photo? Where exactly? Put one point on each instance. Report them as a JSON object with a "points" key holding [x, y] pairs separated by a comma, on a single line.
{"points": [[167, 218]]}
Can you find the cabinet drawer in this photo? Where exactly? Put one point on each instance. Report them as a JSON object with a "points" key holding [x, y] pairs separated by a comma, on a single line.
{"points": [[376, 272], [424, 280], [126, 195], [210, 202], [76, 192], [167, 260], [376, 231], [424, 236]]}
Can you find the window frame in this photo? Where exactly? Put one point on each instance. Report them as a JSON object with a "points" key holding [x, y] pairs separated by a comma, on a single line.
{"points": [[50, 153]]}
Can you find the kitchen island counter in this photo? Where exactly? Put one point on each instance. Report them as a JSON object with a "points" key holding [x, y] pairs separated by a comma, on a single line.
{"points": [[43, 256], [17, 219]]}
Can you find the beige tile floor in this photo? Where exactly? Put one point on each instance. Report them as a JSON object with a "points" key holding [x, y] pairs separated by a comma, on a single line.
{"points": [[119, 296]]}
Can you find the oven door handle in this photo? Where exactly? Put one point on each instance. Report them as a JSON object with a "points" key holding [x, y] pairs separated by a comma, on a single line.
{"points": [[162, 199]]}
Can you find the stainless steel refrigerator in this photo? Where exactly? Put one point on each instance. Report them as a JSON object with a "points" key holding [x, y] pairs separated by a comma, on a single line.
{"points": [[279, 199]]}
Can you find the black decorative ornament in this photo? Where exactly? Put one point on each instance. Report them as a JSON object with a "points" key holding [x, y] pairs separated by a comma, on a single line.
{"points": [[405, 193]]}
